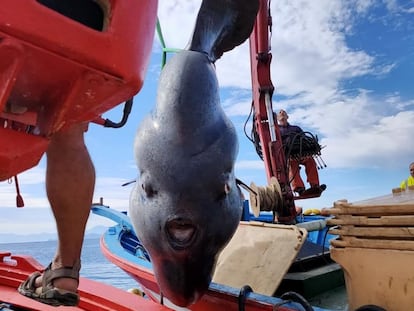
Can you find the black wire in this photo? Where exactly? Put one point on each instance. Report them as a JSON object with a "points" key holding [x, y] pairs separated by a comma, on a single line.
{"points": [[293, 296], [324, 238], [254, 138], [125, 115], [246, 289], [245, 124]]}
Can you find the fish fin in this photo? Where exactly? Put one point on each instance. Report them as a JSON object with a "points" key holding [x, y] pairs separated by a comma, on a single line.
{"points": [[221, 25]]}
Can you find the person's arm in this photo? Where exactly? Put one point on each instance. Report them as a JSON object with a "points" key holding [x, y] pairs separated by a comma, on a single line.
{"points": [[403, 183]]}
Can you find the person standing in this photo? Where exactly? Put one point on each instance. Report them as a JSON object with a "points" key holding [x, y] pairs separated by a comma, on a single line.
{"points": [[287, 131], [409, 182]]}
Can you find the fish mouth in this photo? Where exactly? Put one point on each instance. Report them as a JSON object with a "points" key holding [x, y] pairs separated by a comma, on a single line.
{"points": [[181, 233]]}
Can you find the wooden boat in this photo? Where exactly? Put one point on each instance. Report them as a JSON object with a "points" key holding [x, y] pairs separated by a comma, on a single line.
{"points": [[94, 295], [122, 247]]}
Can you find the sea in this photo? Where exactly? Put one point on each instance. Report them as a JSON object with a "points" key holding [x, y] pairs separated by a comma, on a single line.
{"points": [[95, 265]]}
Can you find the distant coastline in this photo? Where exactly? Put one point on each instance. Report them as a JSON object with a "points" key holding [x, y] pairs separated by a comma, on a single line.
{"points": [[5, 238]]}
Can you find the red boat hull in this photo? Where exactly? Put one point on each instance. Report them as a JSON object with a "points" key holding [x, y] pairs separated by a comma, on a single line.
{"points": [[214, 299], [94, 296]]}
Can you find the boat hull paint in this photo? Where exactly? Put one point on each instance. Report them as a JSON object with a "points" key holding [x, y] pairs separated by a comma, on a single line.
{"points": [[94, 296], [218, 296]]}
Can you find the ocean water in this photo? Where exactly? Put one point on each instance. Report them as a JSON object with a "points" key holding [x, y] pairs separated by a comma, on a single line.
{"points": [[95, 266]]}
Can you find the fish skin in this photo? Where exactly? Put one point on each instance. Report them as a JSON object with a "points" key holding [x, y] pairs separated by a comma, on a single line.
{"points": [[186, 152], [186, 204]]}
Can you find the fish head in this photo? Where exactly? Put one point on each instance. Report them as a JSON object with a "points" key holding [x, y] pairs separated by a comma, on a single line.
{"points": [[184, 212]]}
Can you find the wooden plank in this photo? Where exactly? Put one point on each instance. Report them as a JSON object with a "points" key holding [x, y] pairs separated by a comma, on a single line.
{"points": [[362, 220], [259, 255], [378, 210], [381, 232], [401, 203], [390, 199], [373, 243]]}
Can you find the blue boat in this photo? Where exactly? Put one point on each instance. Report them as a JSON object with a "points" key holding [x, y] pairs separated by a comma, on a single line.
{"points": [[122, 247]]}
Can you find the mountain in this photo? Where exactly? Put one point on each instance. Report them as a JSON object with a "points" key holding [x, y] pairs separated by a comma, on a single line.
{"points": [[92, 233]]}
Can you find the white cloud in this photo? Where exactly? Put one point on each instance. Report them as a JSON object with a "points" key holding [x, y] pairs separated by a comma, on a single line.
{"points": [[311, 62], [363, 5], [392, 5], [309, 49], [177, 20], [33, 176], [112, 192]]}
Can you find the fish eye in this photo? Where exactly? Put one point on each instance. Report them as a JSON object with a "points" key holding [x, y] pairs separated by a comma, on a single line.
{"points": [[224, 193], [149, 190]]}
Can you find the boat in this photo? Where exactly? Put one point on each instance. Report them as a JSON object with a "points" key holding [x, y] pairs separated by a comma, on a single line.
{"points": [[14, 269], [122, 247], [76, 57], [313, 271], [373, 246]]}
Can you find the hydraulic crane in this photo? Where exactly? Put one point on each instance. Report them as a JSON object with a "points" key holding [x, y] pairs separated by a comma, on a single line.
{"points": [[264, 124]]}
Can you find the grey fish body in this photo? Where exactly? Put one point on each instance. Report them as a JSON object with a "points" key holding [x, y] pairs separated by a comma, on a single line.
{"points": [[186, 204]]}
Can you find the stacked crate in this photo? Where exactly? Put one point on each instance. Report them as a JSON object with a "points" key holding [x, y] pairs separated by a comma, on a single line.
{"points": [[375, 247]]}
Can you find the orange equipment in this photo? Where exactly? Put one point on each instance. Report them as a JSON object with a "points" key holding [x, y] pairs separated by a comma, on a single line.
{"points": [[64, 62]]}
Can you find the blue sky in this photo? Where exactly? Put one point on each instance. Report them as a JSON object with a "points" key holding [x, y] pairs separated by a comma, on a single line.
{"points": [[343, 70]]}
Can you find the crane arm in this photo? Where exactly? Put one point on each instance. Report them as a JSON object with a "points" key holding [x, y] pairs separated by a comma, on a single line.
{"points": [[266, 126]]}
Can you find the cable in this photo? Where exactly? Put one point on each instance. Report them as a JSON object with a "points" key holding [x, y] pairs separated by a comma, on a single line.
{"points": [[295, 297], [246, 289]]}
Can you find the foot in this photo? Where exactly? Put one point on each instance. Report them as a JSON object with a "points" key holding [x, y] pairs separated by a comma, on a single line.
{"points": [[57, 287], [299, 190], [68, 284], [315, 189], [319, 187]]}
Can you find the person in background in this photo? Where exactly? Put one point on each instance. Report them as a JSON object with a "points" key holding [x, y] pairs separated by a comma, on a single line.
{"points": [[287, 130], [409, 182]]}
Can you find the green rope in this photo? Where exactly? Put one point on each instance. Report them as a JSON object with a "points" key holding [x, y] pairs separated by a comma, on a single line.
{"points": [[165, 50]]}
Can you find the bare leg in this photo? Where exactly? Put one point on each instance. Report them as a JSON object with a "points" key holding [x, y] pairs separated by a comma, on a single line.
{"points": [[70, 182]]}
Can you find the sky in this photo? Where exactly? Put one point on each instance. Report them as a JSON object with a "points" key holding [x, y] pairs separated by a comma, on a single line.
{"points": [[343, 70]]}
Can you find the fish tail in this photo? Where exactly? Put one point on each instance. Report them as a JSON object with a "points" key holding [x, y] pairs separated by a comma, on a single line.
{"points": [[221, 25]]}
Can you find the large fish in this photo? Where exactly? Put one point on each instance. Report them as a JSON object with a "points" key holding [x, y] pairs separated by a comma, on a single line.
{"points": [[186, 204]]}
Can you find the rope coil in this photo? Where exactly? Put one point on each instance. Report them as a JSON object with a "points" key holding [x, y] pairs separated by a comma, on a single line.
{"points": [[267, 198]]}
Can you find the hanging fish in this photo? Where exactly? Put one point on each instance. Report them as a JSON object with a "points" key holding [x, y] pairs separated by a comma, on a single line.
{"points": [[186, 204]]}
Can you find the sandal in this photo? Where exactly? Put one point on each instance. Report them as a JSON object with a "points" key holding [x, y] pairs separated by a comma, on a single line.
{"points": [[47, 293]]}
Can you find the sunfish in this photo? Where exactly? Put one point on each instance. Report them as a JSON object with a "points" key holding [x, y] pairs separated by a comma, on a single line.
{"points": [[186, 205]]}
